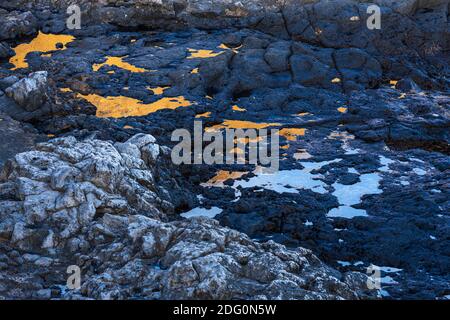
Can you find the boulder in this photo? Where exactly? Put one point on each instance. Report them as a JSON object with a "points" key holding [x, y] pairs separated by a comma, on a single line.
{"points": [[30, 92], [16, 24]]}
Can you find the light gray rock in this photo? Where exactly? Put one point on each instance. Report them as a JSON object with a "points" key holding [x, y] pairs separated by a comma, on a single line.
{"points": [[30, 92], [85, 211]]}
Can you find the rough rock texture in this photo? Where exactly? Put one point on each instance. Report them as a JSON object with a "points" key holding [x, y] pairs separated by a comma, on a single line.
{"points": [[16, 24], [90, 203], [374, 102], [30, 93]]}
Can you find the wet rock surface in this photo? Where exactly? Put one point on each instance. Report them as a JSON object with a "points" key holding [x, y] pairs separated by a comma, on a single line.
{"points": [[367, 183]]}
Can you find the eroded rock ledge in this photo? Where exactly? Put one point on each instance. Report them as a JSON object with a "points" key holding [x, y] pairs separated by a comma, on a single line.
{"points": [[413, 25], [96, 205]]}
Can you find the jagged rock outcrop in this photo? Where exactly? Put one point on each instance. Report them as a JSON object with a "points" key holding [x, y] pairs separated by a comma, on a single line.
{"points": [[331, 23], [30, 92], [17, 24], [95, 205]]}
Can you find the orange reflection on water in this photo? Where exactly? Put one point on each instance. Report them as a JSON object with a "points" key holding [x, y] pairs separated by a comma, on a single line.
{"points": [[120, 106], [42, 43], [158, 90], [118, 62], [203, 115], [235, 50], [222, 176], [202, 53], [291, 134], [241, 124], [237, 108]]}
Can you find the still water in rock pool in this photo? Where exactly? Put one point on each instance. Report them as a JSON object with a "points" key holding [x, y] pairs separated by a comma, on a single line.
{"points": [[202, 53], [119, 63], [120, 106], [41, 43]]}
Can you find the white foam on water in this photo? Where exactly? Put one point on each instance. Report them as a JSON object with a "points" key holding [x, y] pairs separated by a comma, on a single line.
{"points": [[202, 212]]}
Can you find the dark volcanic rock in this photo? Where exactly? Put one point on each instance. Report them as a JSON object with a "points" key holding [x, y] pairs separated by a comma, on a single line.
{"points": [[5, 50], [16, 24], [15, 137], [365, 183]]}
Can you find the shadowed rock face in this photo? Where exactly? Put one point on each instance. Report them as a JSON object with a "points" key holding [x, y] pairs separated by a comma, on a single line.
{"points": [[372, 107]]}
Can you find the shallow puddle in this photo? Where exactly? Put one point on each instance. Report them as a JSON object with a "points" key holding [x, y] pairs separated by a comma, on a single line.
{"points": [[235, 49], [202, 53], [42, 43], [203, 115], [222, 176], [288, 181], [121, 106], [291, 134], [237, 108], [158, 90], [241, 124], [119, 63], [349, 195], [202, 212]]}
